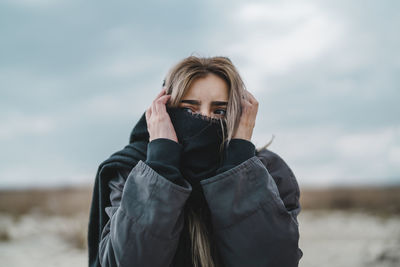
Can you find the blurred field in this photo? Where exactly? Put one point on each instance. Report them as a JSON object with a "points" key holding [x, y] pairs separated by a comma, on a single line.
{"points": [[381, 201], [338, 227]]}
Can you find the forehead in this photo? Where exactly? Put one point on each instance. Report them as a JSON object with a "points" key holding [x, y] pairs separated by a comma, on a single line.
{"points": [[209, 88]]}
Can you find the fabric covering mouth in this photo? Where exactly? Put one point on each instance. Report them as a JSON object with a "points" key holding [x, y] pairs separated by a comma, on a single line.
{"points": [[188, 125]]}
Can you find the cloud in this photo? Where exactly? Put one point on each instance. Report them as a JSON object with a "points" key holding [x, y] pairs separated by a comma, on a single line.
{"points": [[36, 176], [275, 37], [16, 124], [75, 81], [331, 155], [36, 3], [275, 11]]}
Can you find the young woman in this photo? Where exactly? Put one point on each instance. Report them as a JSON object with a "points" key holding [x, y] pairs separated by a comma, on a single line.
{"points": [[191, 189]]}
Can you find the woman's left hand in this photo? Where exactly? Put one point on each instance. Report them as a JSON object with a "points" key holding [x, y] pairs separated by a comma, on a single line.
{"points": [[248, 117]]}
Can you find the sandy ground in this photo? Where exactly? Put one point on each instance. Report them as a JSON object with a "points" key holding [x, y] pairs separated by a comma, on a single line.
{"points": [[33, 240], [327, 238], [337, 238]]}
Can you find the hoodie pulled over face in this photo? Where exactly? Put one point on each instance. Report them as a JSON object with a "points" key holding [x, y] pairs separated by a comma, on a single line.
{"points": [[201, 138]]}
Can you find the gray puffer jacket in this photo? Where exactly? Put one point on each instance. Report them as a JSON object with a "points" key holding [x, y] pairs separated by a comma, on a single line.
{"points": [[254, 208]]}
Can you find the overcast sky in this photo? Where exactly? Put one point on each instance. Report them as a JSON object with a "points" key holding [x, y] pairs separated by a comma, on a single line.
{"points": [[75, 76]]}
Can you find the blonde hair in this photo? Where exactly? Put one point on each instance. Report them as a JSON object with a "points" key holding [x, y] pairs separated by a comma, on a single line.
{"points": [[177, 82]]}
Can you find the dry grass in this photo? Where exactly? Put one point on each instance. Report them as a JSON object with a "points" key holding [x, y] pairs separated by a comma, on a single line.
{"points": [[4, 235], [59, 201], [76, 231], [60, 218], [70, 201], [382, 201], [66, 208], [71, 206]]}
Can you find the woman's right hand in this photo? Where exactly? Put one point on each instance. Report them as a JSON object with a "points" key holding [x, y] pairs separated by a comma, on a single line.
{"points": [[159, 123]]}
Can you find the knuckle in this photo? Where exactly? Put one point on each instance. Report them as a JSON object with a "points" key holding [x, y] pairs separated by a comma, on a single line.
{"points": [[158, 119]]}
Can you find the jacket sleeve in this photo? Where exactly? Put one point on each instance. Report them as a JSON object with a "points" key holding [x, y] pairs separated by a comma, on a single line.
{"points": [[146, 216], [252, 226], [239, 150]]}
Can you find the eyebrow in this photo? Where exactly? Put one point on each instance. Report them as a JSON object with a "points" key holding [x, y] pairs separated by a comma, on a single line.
{"points": [[213, 103]]}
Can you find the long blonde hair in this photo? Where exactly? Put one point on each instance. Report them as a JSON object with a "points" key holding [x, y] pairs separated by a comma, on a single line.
{"points": [[177, 82]]}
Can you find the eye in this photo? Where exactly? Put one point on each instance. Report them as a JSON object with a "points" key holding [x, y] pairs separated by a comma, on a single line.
{"points": [[187, 109], [221, 112]]}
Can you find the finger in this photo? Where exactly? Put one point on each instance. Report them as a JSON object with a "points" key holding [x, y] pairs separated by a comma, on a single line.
{"points": [[148, 114], [251, 98], [165, 98], [245, 95], [153, 108], [247, 103], [245, 100], [160, 103], [246, 106]]}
